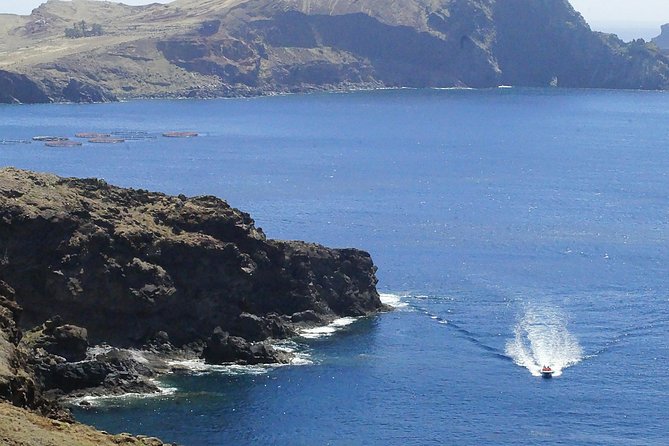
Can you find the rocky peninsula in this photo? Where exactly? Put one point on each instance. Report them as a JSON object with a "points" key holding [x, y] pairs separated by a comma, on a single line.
{"points": [[91, 51], [84, 263]]}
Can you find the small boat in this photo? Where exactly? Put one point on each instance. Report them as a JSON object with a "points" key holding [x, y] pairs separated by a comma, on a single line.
{"points": [[547, 372]]}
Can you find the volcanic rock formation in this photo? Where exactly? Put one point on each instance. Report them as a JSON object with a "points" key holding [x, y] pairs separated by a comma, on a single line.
{"points": [[83, 263], [128, 265]]}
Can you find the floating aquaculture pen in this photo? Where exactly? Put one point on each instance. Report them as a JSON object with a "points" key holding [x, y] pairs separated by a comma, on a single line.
{"points": [[50, 138], [132, 135], [106, 140], [63, 143], [92, 135], [12, 142], [180, 134]]}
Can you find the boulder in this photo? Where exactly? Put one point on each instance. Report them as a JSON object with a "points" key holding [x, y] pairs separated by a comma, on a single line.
{"points": [[74, 376], [222, 348], [68, 341], [113, 372], [256, 328], [308, 316]]}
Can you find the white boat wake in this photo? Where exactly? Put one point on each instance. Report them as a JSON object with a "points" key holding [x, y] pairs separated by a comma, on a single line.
{"points": [[541, 338]]}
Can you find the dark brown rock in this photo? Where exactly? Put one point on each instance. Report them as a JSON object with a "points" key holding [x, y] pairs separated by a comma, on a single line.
{"points": [[127, 264], [256, 328], [308, 316], [18, 383], [114, 372], [222, 348], [68, 341]]}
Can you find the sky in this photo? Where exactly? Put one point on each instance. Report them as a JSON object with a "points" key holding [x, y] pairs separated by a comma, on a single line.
{"points": [[628, 18]]}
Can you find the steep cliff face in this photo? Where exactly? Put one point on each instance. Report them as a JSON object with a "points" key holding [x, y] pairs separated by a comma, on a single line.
{"points": [[18, 88], [539, 42], [129, 264], [662, 41], [16, 382], [243, 47]]}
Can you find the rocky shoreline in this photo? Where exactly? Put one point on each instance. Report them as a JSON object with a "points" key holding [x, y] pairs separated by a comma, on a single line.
{"points": [[104, 289]]}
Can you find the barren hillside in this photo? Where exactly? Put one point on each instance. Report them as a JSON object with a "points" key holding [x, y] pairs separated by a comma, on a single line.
{"points": [[87, 50]]}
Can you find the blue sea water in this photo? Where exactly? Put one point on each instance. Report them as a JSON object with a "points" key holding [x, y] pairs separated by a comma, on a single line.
{"points": [[519, 227]]}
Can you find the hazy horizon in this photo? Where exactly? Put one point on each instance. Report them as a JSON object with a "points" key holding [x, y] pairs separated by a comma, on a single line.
{"points": [[630, 20]]}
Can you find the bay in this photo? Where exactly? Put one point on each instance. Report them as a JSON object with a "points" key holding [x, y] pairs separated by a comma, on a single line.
{"points": [[519, 226]]}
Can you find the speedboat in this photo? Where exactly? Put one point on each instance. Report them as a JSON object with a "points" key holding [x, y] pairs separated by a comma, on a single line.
{"points": [[547, 372]]}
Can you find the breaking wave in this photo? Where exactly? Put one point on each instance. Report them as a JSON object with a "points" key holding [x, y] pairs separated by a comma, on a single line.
{"points": [[327, 330], [393, 300], [110, 400], [542, 338]]}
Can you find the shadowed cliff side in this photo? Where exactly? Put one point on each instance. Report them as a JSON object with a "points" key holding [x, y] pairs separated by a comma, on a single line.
{"points": [[18, 88], [24, 407], [540, 42]]}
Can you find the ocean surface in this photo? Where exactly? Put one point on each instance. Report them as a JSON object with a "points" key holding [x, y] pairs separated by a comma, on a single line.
{"points": [[512, 228]]}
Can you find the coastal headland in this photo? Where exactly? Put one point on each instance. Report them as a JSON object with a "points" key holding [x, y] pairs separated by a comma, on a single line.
{"points": [[90, 274]]}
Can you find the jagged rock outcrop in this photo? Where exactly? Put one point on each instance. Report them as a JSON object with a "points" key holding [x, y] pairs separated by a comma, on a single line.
{"points": [[112, 373], [83, 262], [662, 41], [223, 348], [67, 341], [17, 384], [194, 48], [128, 265]]}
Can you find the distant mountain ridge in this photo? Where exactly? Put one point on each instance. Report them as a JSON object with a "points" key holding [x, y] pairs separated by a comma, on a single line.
{"points": [[214, 48]]}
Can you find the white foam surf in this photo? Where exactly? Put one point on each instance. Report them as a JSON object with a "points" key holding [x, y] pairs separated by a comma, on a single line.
{"points": [[98, 400], [200, 367], [327, 330], [139, 356], [299, 355], [393, 300], [542, 338], [195, 366]]}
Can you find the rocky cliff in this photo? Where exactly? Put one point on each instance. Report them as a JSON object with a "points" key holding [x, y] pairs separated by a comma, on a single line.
{"points": [[662, 41], [211, 48], [130, 265], [24, 400], [83, 263]]}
